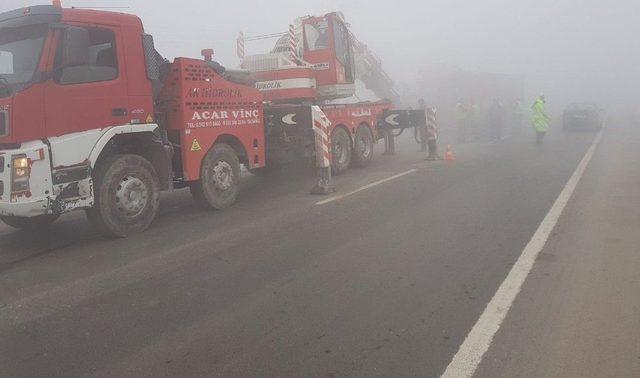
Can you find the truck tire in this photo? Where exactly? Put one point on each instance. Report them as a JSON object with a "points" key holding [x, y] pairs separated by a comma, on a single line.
{"points": [[363, 147], [127, 196], [219, 178], [30, 224], [340, 151]]}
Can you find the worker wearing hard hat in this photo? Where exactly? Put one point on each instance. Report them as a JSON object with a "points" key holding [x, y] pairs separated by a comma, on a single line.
{"points": [[540, 119]]}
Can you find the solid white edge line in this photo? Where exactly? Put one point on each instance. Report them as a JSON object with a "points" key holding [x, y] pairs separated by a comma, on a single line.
{"points": [[468, 358], [336, 198]]}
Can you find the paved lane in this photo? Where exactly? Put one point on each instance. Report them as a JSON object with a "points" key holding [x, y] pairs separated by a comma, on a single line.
{"points": [[578, 314], [385, 282]]}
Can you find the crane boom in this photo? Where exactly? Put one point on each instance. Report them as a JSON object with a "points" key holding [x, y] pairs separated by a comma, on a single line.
{"points": [[370, 71]]}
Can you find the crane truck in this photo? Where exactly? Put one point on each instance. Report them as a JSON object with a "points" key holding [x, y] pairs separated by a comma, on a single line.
{"points": [[318, 62], [93, 118]]}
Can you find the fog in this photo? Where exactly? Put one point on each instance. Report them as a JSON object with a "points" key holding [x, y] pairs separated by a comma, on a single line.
{"points": [[569, 49]]}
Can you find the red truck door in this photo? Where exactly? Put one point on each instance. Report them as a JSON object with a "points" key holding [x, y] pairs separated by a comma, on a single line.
{"points": [[88, 89]]}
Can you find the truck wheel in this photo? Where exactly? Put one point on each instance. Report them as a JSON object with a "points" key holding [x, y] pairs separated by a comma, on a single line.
{"points": [[340, 151], [363, 147], [127, 196], [30, 224], [219, 178]]}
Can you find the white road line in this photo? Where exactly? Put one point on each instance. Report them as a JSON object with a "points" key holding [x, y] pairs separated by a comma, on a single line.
{"points": [[336, 198], [469, 356]]}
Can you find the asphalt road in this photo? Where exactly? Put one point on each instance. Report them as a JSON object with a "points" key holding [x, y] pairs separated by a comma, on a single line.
{"points": [[578, 314], [385, 282]]}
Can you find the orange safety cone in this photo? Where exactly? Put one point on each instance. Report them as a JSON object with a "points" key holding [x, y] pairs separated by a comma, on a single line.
{"points": [[449, 155]]}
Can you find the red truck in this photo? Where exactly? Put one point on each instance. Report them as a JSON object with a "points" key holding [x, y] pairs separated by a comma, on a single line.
{"points": [[93, 118], [318, 62]]}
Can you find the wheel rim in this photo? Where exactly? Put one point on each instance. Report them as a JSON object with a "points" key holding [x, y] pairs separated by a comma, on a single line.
{"points": [[223, 176], [339, 151], [132, 196], [364, 147]]}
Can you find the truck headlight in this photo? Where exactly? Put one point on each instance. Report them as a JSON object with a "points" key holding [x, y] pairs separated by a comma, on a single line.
{"points": [[21, 172]]}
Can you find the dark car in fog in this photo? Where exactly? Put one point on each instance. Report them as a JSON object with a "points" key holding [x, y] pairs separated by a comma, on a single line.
{"points": [[583, 116]]}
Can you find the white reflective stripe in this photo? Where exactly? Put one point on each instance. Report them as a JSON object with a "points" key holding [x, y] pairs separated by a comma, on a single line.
{"points": [[363, 188], [276, 85]]}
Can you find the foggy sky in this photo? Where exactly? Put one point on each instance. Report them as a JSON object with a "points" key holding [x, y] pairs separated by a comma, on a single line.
{"points": [[571, 50]]}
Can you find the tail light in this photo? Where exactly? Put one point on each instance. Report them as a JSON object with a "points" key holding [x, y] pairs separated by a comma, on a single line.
{"points": [[20, 173]]}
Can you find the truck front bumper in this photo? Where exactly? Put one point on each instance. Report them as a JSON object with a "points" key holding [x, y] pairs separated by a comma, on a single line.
{"points": [[25, 209]]}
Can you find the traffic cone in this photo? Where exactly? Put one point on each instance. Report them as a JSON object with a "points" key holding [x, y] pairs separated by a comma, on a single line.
{"points": [[449, 155]]}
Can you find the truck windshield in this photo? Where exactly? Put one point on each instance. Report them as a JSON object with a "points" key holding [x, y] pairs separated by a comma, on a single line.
{"points": [[341, 35], [317, 35], [20, 49]]}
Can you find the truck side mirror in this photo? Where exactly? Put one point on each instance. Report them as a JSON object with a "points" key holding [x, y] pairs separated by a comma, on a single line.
{"points": [[153, 60], [75, 47]]}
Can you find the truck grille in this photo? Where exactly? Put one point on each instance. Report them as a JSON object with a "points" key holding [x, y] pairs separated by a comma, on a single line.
{"points": [[4, 124]]}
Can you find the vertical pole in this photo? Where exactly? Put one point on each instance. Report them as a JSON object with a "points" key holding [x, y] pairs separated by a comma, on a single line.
{"points": [[422, 129], [293, 45], [432, 133], [240, 46], [432, 122], [389, 143], [321, 125]]}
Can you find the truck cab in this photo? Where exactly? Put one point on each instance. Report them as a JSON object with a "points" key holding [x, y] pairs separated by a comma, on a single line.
{"points": [[93, 118], [65, 91], [64, 71], [312, 63], [327, 46]]}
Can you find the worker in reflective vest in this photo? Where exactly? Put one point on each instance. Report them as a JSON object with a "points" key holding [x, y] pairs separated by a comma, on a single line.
{"points": [[540, 119]]}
